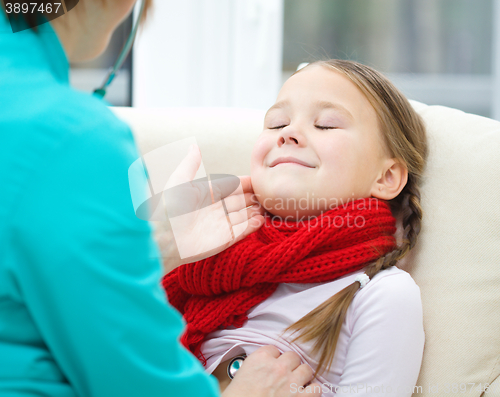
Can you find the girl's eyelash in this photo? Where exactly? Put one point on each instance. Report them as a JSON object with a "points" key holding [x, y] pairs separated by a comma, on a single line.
{"points": [[317, 126]]}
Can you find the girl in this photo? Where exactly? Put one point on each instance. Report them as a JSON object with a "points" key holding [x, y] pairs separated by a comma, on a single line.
{"points": [[341, 154]]}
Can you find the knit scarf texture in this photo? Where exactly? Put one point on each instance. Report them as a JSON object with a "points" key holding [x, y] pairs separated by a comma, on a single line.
{"points": [[217, 292]]}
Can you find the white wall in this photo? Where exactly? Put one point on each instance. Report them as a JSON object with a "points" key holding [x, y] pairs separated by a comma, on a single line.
{"points": [[209, 53]]}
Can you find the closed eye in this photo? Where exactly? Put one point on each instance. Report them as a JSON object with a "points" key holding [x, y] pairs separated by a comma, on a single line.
{"points": [[317, 126]]}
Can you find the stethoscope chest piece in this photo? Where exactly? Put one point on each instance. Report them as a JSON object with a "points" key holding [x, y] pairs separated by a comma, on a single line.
{"points": [[234, 365]]}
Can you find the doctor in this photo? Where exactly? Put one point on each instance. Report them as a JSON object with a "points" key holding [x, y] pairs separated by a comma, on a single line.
{"points": [[81, 308]]}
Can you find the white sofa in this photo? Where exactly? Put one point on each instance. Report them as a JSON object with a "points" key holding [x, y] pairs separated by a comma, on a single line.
{"points": [[456, 262]]}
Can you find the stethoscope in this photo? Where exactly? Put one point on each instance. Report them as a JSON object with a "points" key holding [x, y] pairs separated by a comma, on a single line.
{"points": [[101, 91]]}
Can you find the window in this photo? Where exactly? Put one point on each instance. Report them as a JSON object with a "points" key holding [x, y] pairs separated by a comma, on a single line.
{"points": [[435, 51], [239, 52]]}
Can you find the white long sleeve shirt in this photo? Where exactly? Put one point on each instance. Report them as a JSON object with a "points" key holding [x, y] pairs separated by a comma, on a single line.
{"points": [[381, 342]]}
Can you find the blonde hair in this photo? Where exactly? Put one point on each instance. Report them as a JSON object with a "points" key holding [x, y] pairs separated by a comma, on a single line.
{"points": [[405, 139]]}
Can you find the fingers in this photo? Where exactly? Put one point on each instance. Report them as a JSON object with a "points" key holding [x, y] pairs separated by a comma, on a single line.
{"points": [[186, 170], [237, 202], [225, 188], [303, 374], [237, 217], [246, 183], [271, 350], [291, 360], [314, 390], [266, 372], [246, 228]]}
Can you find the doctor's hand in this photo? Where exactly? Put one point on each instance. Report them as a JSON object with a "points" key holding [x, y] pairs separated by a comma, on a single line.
{"points": [[268, 373], [204, 219]]}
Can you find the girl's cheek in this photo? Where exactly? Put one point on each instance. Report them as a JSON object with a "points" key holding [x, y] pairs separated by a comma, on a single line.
{"points": [[260, 150], [334, 152]]}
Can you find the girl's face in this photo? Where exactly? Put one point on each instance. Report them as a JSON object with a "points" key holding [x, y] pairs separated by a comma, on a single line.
{"points": [[321, 146]]}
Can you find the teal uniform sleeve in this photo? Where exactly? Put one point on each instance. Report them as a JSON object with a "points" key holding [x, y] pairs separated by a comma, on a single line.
{"points": [[88, 271]]}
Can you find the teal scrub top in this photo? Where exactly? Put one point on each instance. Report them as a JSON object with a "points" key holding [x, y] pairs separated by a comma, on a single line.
{"points": [[82, 311]]}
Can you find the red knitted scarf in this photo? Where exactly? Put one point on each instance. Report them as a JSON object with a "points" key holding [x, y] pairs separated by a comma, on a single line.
{"points": [[217, 292]]}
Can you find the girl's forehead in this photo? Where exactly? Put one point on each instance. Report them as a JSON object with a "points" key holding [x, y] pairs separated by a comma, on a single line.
{"points": [[318, 85], [318, 73], [319, 81]]}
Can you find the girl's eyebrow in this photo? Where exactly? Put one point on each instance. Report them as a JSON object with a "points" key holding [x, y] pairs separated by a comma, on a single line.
{"points": [[336, 106], [278, 105], [320, 104]]}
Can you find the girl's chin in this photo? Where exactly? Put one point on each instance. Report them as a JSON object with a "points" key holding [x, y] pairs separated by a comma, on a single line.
{"points": [[294, 215]]}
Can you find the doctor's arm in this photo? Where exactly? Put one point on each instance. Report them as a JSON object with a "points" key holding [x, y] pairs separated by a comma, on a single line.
{"points": [[90, 275]]}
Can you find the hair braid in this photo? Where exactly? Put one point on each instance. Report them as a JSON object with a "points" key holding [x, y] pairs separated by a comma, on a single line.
{"points": [[411, 213]]}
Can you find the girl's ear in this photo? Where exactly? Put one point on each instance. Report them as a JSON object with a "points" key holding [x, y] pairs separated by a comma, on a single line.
{"points": [[391, 181]]}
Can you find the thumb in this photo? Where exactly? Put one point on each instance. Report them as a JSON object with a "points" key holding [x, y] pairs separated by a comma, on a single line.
{"points": [[186, 170]]}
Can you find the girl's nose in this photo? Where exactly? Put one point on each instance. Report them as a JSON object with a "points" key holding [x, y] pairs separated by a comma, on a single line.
{"points": [[291, 136]]}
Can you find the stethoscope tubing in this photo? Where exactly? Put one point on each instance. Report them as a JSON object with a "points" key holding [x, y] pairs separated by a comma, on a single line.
{"points": [[125, 51]]}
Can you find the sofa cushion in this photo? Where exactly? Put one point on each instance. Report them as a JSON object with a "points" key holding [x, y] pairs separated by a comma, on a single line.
{"points": [[456, 262]]}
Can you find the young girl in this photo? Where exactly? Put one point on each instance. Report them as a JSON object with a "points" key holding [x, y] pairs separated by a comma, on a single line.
{"points": [[341, 154]]}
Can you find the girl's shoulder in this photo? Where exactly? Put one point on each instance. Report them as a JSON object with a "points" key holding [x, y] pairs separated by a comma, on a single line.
{"points": [[391, 283], [388, 281], [390, 289], [392, 293]]}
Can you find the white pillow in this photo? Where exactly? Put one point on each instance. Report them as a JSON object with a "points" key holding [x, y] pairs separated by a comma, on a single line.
{"points": [[456, 262]]}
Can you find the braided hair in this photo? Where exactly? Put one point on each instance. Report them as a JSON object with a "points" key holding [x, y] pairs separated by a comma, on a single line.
{"points": [[405, 138]]}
